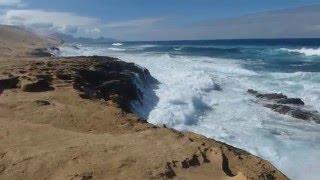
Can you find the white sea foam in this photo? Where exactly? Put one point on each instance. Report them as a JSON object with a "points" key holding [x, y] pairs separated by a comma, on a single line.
{"points": [[117, 49], [117, 44], [305, 51], [188, 99], [147, 46], [143, 47], [178, 48]]}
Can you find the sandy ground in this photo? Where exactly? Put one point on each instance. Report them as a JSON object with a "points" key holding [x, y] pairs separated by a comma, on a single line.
{"points": [[75, 138]]}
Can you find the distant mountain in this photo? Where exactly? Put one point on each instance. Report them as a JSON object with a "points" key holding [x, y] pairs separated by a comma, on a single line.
{"points": [[17, 41], [71, 39]]}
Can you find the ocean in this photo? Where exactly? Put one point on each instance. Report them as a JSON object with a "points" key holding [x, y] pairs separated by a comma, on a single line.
{"points": [[203, 88]]}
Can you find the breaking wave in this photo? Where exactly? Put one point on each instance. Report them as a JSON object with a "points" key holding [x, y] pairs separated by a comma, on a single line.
{"points": [[117, 44], [117, 49], [207, 95], [305, 51]]}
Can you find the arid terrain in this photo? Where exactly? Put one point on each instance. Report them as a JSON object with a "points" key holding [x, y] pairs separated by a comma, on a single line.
{"points": [[69, 118]]}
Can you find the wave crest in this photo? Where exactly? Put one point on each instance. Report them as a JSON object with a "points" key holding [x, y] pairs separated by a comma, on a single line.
{"points": [[117, 49], [305, 51], [117, 44]]}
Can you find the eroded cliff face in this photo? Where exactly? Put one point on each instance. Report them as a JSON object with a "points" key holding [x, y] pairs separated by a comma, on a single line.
{"points": [[93, 77]]}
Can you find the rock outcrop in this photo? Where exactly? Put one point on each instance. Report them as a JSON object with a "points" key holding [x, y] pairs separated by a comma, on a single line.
{"points": [[8, 83], [40, 85], [93, 77], [41, 52], [280, 103]]}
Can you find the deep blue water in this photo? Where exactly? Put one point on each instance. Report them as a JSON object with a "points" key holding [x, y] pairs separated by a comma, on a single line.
{"points": [[274, 55]]}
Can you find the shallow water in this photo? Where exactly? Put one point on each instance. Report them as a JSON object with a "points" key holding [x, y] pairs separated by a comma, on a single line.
{"points": [[202, 88]]}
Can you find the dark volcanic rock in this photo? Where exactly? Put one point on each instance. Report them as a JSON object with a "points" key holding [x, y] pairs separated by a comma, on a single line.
{"points": [[42, 102], [9, 83], [169, 172], [63, 76], [301, 114], [118, 87], [280, 103], [272, 96], [37, 86], [41, 52], [268, 96], [111, 79], [94, 77], [278, 97], [282, 109], [87, 175], [252, 92], [46, 77], [295, 101]]}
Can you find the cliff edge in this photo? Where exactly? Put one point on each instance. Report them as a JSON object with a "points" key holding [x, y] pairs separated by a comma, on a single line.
{"points": [[70, 118]]}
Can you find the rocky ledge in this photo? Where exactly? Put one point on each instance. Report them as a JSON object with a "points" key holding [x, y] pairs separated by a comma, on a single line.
{"points": [[93, 77], [280, 103]]}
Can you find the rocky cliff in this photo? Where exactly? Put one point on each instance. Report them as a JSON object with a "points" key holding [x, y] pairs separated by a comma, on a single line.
{"points": [[70, 118]]}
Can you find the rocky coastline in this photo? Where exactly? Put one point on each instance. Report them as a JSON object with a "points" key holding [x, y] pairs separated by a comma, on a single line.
{"points": [[94, 77], [71, 118]]}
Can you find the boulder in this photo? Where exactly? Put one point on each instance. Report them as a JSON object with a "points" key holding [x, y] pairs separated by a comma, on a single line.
{"points": [[252, 92], [280, 103], [272, 96], [282, 109], [301, 114], [42, 102], [294, 101], [268, 96], [40, 85], [87, 175], [64, 76], [9, 83], [41, 52], [47, 77]]}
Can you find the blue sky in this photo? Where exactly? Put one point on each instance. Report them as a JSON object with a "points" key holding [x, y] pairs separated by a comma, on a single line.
{"points": [[160, 19]]}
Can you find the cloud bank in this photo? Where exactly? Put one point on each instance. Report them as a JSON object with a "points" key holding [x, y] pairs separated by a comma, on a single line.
{"points": [[294, 23], [135, 23], [16, 3], [47, 21], [64, 22]]}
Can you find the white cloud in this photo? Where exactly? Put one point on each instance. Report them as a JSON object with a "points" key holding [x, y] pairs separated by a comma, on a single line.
{"points": [[134, 23], [11, 3], [47, 21]]}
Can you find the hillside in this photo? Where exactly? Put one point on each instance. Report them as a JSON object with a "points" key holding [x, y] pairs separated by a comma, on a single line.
{"points": [[19, 42]]}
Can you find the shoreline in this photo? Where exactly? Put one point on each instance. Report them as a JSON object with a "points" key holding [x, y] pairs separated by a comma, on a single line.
{"points": [[72, 127]]}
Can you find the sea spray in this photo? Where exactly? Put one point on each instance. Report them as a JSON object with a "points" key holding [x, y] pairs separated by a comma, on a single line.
{"points": [[305, 51], [187, 97]]}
